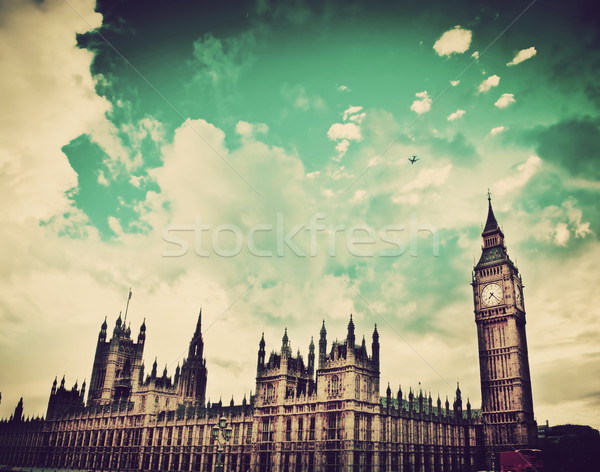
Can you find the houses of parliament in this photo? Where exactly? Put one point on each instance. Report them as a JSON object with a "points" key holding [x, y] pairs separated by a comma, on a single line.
{"points": [[327, 413]]}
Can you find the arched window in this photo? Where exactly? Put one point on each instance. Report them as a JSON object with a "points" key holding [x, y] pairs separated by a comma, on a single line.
{"points": [[335, 385], [357, 387], [270, 393]]}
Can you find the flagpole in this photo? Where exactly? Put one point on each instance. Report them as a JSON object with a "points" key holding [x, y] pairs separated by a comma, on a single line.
{"points": [[127, 307]]}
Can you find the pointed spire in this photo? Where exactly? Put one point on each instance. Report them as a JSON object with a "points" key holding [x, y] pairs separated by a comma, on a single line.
{"points": [[491, 224], [350, 339], [285, 339], [261, 344], [311, 346], [154, 368], [143, 327], [104, 325], [199, 323]]}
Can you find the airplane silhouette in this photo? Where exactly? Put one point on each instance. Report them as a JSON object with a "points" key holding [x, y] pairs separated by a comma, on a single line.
{"points": [[413, 160]]}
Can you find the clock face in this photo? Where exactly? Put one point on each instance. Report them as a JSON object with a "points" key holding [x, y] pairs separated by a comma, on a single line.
{"points": [[491, 295], [519, 296]]}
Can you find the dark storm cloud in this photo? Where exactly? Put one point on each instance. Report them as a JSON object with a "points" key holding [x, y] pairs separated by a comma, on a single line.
{"points": [[573, 145]]}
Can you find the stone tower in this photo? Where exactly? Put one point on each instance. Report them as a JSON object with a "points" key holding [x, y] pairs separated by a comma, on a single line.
{"points": [[507, 405], [117, 364], [192, 383]]}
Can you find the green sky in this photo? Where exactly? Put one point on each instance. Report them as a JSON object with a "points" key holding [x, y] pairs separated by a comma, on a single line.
{"points": [[125, 126]]}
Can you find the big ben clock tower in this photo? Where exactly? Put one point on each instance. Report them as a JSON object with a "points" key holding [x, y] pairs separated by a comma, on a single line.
{"points": [[507, 404]]}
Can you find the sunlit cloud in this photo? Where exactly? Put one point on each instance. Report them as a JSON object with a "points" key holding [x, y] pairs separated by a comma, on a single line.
{"points": [[522, 55], [505, 100], [487, 84], [422, 104], [457, 114], [454, 41]]}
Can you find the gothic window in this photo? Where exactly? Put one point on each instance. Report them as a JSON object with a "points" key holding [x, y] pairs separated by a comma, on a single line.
{"points": [[311, 434], [288, 430], [333, 426], [300, 427], [357, 387], [335, 386], [357, 427], [249, 434], [270, 395], [266, 429]]}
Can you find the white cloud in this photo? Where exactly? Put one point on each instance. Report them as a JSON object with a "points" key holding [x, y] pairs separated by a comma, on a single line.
{"points": [[346, 132], [429, 178], [358, 118], [343, 88], [422, 104], [456, 40], [524, 172], [454, 83], [475, 55], [522, 55], [497, 130], [48, 98], [350, 111], [491, 81], [313, 174], [505, 100], [349, 131], [301, 98], [359, 196], [457, 114], [561, 234], [102, 180], [249, 130]]}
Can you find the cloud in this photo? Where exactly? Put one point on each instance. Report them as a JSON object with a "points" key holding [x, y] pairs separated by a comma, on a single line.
{"points": [[349, 131], [346, 132], [487, 84], [350, 111], [48, 98], [497, 130], [524, 172], [343, 88], [454, 83], [456, 40], [522, 55], [475, 55], [457, 114], [422, 104], [429, 178], [359, 196], [302, 99], [102, 178], [219, 63], [505, 100], [249, 130], [574, 145]]}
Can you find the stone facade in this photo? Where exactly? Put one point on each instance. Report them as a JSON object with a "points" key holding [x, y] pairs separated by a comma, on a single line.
{"points": [[325, 414], [507, 402]]}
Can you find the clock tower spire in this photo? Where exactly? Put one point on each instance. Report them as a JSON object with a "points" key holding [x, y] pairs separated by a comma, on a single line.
{"points": [[507, 404]]}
